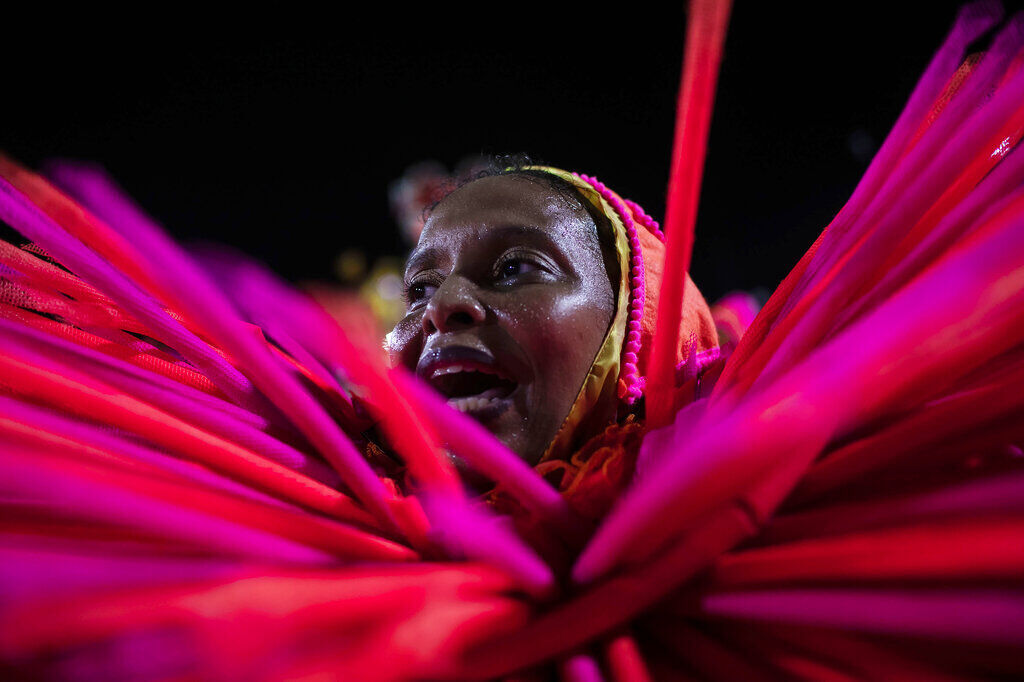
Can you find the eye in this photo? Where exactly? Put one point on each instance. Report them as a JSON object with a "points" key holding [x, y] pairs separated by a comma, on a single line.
{"points": [[515, 267], [418, 292]]}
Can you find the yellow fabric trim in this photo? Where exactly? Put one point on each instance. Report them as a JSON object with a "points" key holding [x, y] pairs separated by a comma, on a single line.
{"points": [[603, 377]]}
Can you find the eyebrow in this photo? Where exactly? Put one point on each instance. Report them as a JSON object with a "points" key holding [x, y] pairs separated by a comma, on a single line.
{"points": [[538, 237], [518, 228], [418, 258]]}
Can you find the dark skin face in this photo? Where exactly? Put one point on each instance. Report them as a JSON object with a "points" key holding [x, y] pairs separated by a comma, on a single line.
{"points": [[509, 300]]}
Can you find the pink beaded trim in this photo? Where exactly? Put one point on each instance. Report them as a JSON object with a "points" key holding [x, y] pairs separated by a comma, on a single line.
{"points": [[645, 220], [633, 382], [696, 363]]}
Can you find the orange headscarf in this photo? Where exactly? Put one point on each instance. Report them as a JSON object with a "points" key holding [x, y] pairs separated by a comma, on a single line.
{"points": [[622, 362]]}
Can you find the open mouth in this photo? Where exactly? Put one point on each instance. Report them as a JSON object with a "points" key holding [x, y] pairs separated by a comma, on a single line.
{"points": [[472, 388]]}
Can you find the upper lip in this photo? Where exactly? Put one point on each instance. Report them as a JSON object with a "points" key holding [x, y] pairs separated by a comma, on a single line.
{"points": [[472, 359]]}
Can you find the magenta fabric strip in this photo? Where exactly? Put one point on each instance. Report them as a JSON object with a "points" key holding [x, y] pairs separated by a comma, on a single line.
{"points": [[895, 218], [976, 615], [90, 498], [468, 530], [94, 435], [21, 214], [203, 410], [482, 451], [39, 568], [197, 297], [790, 421], [972, 22]]}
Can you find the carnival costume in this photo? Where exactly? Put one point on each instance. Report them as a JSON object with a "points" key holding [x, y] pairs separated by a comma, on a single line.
{"points": [[186, 490]]}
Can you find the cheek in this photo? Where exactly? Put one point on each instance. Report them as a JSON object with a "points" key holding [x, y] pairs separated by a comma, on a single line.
{"points": [[404, 342], [581, 319], [562, 333]]}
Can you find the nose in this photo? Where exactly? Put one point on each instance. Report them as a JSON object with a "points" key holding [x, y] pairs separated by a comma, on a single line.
{"points": [[453, 306]]}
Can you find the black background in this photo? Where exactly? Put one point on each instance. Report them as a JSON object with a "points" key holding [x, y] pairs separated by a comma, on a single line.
{"points": [[279, 133]]}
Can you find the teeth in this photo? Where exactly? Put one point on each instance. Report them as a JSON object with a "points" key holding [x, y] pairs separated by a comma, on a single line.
{"points": [[450, 369], [454, 369], [474, 402], [471, 404]]}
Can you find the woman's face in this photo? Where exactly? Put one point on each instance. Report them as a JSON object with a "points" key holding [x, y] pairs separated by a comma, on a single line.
{"points": [[509, 300]]}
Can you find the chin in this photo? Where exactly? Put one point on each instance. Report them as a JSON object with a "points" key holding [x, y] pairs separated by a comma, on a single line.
{"points": [[523, 451]]}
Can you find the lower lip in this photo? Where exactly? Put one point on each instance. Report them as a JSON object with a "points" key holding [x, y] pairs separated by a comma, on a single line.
{"points": [[486, 405]]}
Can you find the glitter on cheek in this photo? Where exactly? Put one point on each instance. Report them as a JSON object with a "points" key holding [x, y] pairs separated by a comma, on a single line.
{"points": [[398, 339], [389, 342]]}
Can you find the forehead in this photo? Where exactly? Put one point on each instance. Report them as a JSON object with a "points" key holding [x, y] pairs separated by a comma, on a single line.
{"points": [[508, 201]]}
